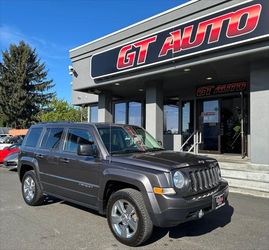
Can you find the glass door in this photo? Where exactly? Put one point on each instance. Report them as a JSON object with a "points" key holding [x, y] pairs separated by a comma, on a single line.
{"points": [[231, 115], [187, 124], [209, 125]]}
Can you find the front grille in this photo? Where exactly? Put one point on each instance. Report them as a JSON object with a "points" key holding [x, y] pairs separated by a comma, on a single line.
{"points": [[204, 179]]}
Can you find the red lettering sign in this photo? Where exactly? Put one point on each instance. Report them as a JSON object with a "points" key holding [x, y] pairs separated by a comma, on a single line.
{"points": [[125, 59], [221, 89], [180, 41], [144, 46], [240, 23], [171, 43]]}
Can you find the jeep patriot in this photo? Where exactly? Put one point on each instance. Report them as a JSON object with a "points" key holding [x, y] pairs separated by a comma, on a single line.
{"points": [[122, 172]]}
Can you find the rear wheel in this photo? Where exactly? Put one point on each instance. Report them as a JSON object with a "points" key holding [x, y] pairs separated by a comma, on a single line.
{"points": [[31, 191], [128, 217]]}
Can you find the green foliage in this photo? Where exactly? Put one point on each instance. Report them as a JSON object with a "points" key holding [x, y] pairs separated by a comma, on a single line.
{"points": [[1, 119], [24, 88], [60, 110]]}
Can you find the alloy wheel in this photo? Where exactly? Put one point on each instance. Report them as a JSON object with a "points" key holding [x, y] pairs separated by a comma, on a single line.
{"points": [[29, 188], [124, 219]]}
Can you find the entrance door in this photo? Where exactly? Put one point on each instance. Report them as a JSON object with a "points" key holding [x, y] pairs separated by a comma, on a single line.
{"points": [[187, 124], [231, 115], [209, 125]]}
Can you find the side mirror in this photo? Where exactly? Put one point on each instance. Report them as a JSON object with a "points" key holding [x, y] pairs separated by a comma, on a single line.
{"points": [[87, 150], [160, 143]]}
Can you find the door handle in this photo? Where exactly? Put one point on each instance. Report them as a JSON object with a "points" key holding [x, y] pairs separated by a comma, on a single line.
{"points": [[40, 156], [64, 160]]}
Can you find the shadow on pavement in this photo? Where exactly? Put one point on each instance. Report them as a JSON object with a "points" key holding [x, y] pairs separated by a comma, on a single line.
{"points": [[212, 221], [48, 200], [13, 170], [86, 209]]}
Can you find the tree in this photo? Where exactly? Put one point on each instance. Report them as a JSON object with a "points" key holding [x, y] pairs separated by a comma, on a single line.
{"points": [[60, 110], [1, 119], [24, 87]]}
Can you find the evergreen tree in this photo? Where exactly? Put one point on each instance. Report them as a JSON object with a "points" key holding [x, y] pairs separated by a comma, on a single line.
{"points": [[24, 87]]}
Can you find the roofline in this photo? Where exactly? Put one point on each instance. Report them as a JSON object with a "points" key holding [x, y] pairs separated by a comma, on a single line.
{"points": [[135, 24]]}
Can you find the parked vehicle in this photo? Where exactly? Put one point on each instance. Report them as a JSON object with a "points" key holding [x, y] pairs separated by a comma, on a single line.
{"points": [[120, 171], [8, 141], [8, 150], [15, 139], [3, 136], [11, 161]]}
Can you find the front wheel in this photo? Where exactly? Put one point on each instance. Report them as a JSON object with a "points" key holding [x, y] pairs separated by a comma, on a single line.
{"points": [[128, 217], [31, 191]]}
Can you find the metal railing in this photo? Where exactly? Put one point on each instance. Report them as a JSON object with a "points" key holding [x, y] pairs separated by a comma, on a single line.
{"points": [[197, 139]]}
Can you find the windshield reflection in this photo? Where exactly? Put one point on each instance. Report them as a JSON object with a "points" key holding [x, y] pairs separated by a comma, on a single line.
{"points": [[128, 139]]}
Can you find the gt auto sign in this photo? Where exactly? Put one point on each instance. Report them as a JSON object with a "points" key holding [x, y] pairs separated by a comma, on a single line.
{"points": [[241, 23]]}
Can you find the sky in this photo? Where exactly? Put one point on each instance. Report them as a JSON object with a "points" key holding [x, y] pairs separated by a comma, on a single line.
{"points": [[54, 27]]}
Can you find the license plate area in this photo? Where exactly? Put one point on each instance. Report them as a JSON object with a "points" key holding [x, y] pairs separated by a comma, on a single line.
{"points": [[218, 201]]}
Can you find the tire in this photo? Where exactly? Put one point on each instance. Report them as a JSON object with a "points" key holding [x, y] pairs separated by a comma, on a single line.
{"points": [[131, 200], [36, 198]]}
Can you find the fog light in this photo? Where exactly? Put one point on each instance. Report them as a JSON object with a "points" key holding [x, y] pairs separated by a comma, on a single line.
{"points": [[201, 214]]}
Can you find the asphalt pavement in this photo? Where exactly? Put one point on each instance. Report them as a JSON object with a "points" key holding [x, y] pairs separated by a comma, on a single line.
{"points": [[241, 224]]}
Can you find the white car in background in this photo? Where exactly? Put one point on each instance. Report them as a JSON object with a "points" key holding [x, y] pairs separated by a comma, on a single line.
{"points": [[10, 140], [3, 137]]}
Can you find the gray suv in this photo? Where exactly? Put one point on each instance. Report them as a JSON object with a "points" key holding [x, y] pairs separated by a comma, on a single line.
{"points": [[122, 172]]}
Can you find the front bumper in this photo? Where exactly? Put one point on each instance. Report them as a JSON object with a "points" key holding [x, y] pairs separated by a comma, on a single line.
{"points": [[174, 210], [11, 165]]}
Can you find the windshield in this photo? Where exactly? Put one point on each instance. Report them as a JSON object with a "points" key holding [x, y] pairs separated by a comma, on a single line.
{"points": [[128, 139]]}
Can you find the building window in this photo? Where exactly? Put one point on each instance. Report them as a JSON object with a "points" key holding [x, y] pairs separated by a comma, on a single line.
{"points": [[94, 113], [120, 113], [171, 118], [135, 113]]}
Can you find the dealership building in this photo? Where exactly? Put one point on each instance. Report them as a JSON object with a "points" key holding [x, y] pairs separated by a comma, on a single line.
{"points": [[195, 76]]}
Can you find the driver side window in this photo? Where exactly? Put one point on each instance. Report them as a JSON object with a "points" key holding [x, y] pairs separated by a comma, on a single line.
{"points": [[75, 137]]}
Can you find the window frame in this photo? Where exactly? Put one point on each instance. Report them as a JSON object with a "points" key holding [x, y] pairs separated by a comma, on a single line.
{"points": [[59, 148], [38, 141], [141, 113], [65, 139], [90, 112], [126, 111], [127, 105], [178, 120]]}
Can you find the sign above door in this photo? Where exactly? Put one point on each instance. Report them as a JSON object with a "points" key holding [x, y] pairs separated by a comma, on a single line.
{"points": [[219, 89]]}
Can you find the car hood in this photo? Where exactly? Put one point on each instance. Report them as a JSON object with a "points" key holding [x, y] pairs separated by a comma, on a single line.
{"points": [[162, 160]]}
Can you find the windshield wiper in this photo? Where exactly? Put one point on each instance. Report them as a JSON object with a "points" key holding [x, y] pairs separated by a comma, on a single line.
{"points": [[126, 151], [154, 149]]}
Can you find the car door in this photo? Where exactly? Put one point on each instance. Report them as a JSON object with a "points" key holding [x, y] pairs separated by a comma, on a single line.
{"points": [[80, 174], [47, 158]]}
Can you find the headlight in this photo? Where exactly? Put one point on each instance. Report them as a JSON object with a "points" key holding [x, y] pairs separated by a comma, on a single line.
{"points": [[178, 179]]}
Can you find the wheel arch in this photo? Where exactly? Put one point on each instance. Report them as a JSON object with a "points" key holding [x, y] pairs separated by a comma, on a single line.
{"points": [[117, 179], [27, 164]]}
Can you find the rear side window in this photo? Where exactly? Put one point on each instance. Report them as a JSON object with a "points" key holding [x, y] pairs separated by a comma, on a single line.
{"points": [[52, 138], [76, 137], [33, 137]]}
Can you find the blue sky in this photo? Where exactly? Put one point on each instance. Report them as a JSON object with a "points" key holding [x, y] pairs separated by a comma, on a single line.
{"points": [[55, 26]]}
